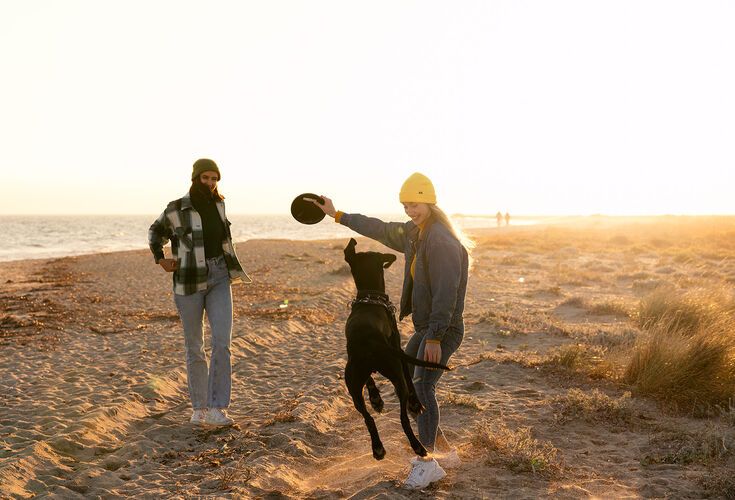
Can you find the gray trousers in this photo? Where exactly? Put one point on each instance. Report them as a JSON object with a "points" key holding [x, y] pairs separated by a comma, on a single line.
{"points": [[209, 387], [425, 380]]}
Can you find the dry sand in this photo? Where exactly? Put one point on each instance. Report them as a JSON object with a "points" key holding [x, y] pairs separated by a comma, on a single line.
{"points": [[93, 399]]}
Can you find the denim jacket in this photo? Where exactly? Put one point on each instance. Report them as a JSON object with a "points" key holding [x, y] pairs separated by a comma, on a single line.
{"points": [[435, 295]]}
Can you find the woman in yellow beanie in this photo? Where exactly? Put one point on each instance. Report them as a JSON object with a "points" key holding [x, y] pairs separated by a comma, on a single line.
{"points": [[434, 287]]}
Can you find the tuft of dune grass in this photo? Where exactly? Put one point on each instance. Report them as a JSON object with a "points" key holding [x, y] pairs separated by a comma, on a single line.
{"points": [[686, 356], [617, 337], [695, 372], [613, 307], [592, 406], [572, 356], [516, 449], [711, 445], [610, 308], [563, 274], [230, 475], [718, 484], [687, 312], [576, 301], [466, 400], [584, 358], [650, 285]]}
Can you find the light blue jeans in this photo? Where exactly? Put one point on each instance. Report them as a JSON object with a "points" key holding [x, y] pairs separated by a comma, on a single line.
{"points": [[209, 388], [425, 380]]}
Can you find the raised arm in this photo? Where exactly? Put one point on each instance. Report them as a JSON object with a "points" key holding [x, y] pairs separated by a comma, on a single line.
{"points": [[391, 234]]}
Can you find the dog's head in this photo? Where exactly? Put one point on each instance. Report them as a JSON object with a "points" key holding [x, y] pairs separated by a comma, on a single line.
{"points": [[367, 267]]}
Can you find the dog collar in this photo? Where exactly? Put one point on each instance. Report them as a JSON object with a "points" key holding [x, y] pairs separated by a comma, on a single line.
{"points": [[375, 298]]}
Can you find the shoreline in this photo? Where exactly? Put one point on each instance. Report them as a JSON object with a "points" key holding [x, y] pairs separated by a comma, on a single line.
{"points": [[334, 233], [237, 244]]}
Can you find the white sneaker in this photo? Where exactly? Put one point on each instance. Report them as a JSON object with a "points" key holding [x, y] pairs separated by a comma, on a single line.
{"points": [[448, 460], [423, 473], [218, 416], [198, 416]]}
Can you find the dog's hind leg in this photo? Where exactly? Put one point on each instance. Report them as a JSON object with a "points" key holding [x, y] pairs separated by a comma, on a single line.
{"points": [[415, 408], [375, 400], [401, 386], [355, 380]]}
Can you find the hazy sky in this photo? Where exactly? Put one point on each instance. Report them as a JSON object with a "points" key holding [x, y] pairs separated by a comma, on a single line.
{"points": [[536, 107]]}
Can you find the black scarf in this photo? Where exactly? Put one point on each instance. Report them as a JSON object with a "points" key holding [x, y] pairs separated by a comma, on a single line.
{"points": [[214, 230]]}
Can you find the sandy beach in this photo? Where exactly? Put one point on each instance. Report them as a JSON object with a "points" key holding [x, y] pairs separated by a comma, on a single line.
{"points": [[93, 399]]}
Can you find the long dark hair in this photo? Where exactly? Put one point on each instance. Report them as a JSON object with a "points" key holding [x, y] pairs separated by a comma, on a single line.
{"points": [[215, 194]]}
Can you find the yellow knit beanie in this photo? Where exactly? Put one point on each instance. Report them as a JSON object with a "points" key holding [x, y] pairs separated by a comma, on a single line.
{"points": [[417, 189]]}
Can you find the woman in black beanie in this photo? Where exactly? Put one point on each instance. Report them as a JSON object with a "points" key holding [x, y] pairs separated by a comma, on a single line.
{"points": [[204, 264]]}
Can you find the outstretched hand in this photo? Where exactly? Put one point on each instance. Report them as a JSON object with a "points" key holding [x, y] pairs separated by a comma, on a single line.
{"points": [[327, 207]]}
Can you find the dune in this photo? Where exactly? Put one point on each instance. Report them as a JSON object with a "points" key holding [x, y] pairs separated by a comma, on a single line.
{"points": [[93, 399]]}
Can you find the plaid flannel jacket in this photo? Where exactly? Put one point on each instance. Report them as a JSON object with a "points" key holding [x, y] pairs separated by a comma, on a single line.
{"points": [[181, 224]]}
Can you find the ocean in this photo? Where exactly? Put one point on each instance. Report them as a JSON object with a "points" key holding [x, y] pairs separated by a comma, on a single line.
{"points": [[46, 236]]}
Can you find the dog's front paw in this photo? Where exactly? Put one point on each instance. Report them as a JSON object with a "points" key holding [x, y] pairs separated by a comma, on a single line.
{"points": [[379, 453]]}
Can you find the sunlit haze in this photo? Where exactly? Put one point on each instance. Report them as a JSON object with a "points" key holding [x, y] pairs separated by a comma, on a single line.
{"points": [[535, 107]]}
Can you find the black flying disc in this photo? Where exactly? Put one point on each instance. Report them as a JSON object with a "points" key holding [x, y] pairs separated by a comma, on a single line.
{"points": [[305, 211]]}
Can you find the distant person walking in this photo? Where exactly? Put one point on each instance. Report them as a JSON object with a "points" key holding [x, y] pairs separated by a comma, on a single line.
{"points": [[434, 287], [507, 219], [499, 218], [204, 264]]}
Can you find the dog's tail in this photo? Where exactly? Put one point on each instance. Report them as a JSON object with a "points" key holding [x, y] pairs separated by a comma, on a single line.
{"points": [[410, 359]]}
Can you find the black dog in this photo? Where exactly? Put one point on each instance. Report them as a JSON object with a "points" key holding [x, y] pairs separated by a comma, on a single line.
{"points": [[374, 345]]}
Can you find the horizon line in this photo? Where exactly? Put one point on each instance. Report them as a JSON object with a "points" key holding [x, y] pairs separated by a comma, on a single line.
{"points": [[459, 215]]}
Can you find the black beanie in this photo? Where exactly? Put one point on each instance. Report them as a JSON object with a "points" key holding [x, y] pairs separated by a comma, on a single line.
{"points": [[204, 165]]}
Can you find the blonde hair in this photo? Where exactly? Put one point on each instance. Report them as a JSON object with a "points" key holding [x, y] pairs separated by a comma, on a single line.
{"points": [[439, 215]]}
